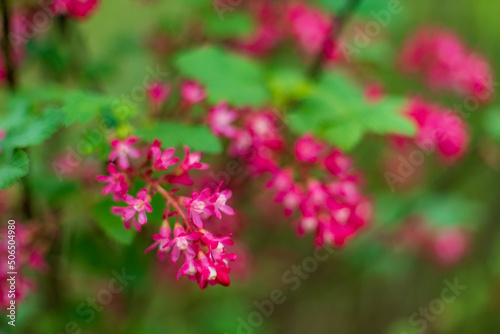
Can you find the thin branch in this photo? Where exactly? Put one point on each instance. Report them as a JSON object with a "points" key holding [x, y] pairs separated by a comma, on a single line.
{"points": [[338, 23], [6, 44]]}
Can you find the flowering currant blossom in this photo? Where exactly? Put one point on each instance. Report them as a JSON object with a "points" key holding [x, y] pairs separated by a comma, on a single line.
{"points": [[139, 206], [446, 64], [307, 149], [220, 119], [441, 128], [192, 92], [204, 257], [162, 160], [328, 204], [161, 240], [157, 94], [79, 9], [122, 150], [116, 183]]}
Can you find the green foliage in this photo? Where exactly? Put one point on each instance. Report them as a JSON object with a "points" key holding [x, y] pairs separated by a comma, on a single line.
{"points": [[237, 24], [491, 123], [32, 130], [112, 225], [13, 168], [227, 77], [337, 111], [197, 137]]}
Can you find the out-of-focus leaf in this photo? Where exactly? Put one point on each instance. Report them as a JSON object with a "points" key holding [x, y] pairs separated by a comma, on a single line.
{"points": [[197, 137], [449, 211], [227, 77], [491, 123], [13, 168], [338, 112], [237, 24], [112, 225], [33, 130]]}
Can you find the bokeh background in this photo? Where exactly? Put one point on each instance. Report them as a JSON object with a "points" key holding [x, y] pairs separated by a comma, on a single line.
{"points": [[373, 285]]}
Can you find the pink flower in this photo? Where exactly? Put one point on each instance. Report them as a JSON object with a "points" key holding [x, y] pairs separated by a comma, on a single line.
{"points": [[219, 199], [161, 240], [139, 205], [79, 9], [309, 26], [374, 92], [307, 149], [182, 242], [198, 205], [192, 161], [157, 94], [116, 183], [122, 150], [161, 161], [212, 273], [192, 92], [446, 64], [190, 267], [220, 119], [451, 245], [337, 163]]}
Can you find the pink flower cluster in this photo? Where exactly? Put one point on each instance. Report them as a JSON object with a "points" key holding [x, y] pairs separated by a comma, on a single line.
{"points": [[23, 257], [439, 128], [192, 92], [308, 26], [331, 206], [79, 9], [446, 63], [205, 258], [446, 246]]}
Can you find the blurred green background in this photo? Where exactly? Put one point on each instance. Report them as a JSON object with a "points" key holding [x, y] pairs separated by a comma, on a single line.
{"points": [[371, 286]]}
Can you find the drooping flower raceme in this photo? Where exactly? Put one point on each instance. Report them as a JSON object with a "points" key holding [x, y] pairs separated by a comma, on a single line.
{"points": [[204, 257]]}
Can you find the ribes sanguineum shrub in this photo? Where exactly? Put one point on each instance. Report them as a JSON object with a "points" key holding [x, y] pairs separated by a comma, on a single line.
{"points": [[446, 64], [203, 255], [315, 184]]}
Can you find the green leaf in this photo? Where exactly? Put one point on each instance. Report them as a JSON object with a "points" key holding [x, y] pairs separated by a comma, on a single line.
{"points": [[197, 137], [337, 111], [14, 168], [83, 107], [449, 211], [32, 130], [227, 77], [112, 225], [238, 24], [345, 136], [491, 123]]}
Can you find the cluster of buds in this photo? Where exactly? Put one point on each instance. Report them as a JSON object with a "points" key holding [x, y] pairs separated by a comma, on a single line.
{"points": [[331, 205], [308, 27], [447, 64], [437, 128], [205, 258]]}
